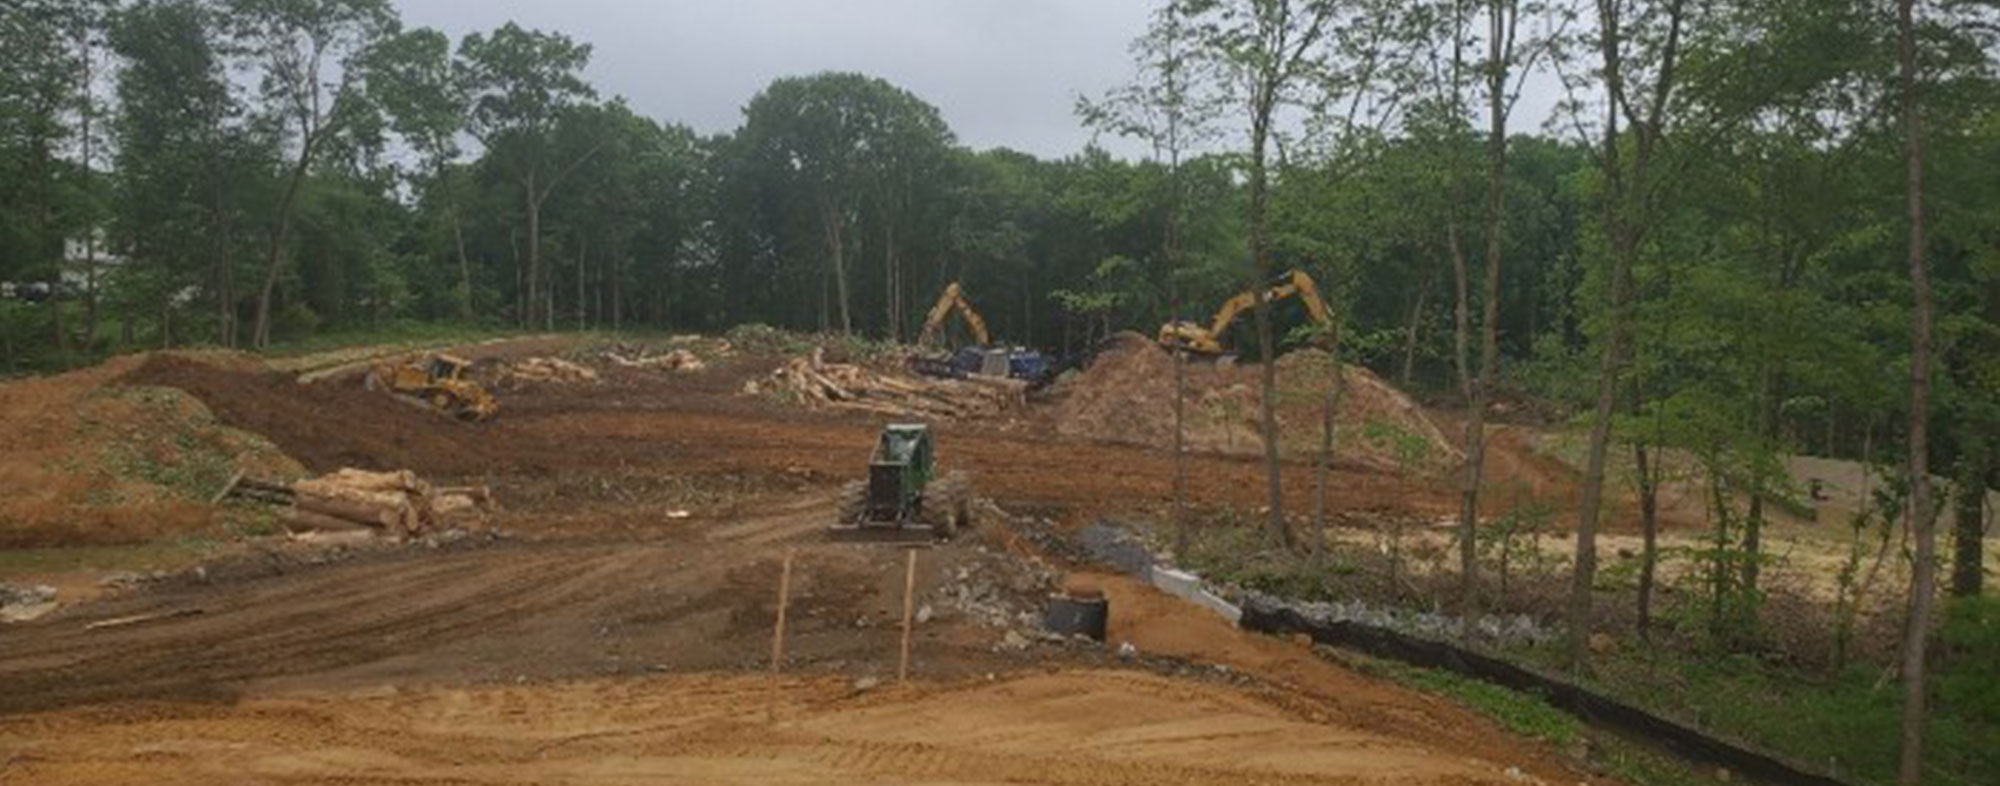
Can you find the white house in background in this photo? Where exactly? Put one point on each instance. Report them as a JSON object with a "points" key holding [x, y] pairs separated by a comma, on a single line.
{"points": [[76, 262]]}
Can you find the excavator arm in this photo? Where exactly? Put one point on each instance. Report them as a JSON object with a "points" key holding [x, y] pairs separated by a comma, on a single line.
{"points": [[953, 298], [1208, 340]]}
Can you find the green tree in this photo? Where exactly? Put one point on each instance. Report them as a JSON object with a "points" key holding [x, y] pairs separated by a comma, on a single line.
{"points": [[521, 83], [834, 138], [309, 55], [413, 77]]}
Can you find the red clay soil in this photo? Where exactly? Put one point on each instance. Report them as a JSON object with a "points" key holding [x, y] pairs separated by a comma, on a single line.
{"points": [[682, 426]]}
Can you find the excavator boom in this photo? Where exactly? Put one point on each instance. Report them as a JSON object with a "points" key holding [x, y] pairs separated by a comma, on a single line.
{"points": [[953, 298], [1195, 338]]}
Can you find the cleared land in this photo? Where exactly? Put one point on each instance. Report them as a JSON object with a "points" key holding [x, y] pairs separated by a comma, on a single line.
{"points": [[608, 639]]}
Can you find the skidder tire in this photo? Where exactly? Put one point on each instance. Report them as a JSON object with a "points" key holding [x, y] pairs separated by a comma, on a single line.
{"points": [[851, 502], [947, 504]]}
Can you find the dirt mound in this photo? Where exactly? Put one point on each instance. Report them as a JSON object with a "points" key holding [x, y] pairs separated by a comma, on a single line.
{"points": [[325, 425], [91, 461], [1128, 395]]}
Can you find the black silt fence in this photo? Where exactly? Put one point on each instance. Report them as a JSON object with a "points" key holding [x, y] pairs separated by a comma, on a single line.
{"points": [[1590, 706]]}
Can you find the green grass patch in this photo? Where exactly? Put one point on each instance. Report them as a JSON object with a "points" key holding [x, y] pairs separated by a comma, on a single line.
{"points": [[171, 554], [1845, 724], [396, 332], [1530, 715], [1525, 714]]}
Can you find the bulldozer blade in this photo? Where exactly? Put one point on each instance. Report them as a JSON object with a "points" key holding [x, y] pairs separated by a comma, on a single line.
{"points": [[907, 534]]}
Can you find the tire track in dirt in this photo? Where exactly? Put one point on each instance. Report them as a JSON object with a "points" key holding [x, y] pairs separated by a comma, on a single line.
{"points": [[333, 617], [1067, 727]]}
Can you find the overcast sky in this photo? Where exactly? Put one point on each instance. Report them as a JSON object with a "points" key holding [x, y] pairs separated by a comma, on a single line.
{"points": [[1005, 73]]}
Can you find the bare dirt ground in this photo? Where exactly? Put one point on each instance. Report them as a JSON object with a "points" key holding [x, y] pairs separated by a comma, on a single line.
{"points": [[1066, 726], [607, 639]]}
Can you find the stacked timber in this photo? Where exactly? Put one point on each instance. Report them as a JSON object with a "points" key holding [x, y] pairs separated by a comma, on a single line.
{"points": [[816, 383], [388, 504]]}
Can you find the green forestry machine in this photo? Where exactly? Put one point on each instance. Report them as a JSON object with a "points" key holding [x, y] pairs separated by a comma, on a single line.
{"points": [[903, 498]]}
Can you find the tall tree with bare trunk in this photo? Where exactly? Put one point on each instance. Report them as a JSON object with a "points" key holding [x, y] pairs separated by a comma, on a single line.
{"points": [[1628, 206], [1265, 53], [308, 52], [1923, 573]]}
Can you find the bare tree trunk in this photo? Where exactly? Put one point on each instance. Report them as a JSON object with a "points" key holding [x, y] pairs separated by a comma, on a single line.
{"points": [[1583, 571], [831, 219], [1968, 559], [1261, 269], [1499, 46], [261, 329], [1410, 331], [1923, 573], [536, 302], [1328, 404], [89, 110], [1468, 518], [1180, 455], [1649, 526], [892, 310], [582, 265], [464, 299]]}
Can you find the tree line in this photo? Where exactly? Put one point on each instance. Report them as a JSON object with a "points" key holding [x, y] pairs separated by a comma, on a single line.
{"points": [[1750, 228]]}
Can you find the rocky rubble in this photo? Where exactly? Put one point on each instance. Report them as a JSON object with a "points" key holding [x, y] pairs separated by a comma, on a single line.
{"points": [[19, 603], [1502, 629]]}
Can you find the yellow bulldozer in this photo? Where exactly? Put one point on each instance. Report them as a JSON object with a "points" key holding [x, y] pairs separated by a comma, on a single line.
{"points": [[1196, 338], [438, 382]]}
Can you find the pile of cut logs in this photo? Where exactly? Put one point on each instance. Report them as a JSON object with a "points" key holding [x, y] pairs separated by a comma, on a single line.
{"points": [[550, 370], [672, 360], [815, 382], [387, 504]]}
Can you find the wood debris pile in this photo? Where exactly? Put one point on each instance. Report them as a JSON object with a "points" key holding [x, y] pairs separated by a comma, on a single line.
{"points": [[550, 370], [813, 381], [387, 504], [672, 360]]}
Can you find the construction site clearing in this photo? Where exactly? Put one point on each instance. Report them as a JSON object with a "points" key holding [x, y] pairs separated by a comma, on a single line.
{"points": [[585, 587]]}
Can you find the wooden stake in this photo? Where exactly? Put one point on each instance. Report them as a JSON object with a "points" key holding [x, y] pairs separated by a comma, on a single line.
{"points": [[778, 636], [909, 613]]}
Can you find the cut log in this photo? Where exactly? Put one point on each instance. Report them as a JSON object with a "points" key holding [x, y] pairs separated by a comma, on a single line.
{"points": [[302, 520], [358, 512]]}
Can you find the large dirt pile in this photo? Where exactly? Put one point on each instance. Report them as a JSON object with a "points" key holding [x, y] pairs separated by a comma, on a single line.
{"points": [[1127, 395], [93, 461]]}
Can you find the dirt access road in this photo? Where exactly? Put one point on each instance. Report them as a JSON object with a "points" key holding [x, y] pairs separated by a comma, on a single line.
{"points": [[539, 662]]}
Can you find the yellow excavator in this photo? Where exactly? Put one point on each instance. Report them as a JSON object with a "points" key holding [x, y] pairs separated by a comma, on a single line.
{"points": [[953, 299], [981, 357], [1197, 339], [438, 382]]}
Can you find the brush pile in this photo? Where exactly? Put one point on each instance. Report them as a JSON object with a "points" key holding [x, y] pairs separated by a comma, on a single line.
{"points": [[815, 383], [386, 504]]}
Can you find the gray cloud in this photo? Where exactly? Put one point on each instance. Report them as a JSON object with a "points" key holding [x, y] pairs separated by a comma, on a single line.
{"points": [[1003, 72]]}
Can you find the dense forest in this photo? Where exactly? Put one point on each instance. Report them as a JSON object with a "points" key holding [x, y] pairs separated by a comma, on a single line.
{"points": [[1751, 228]]}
